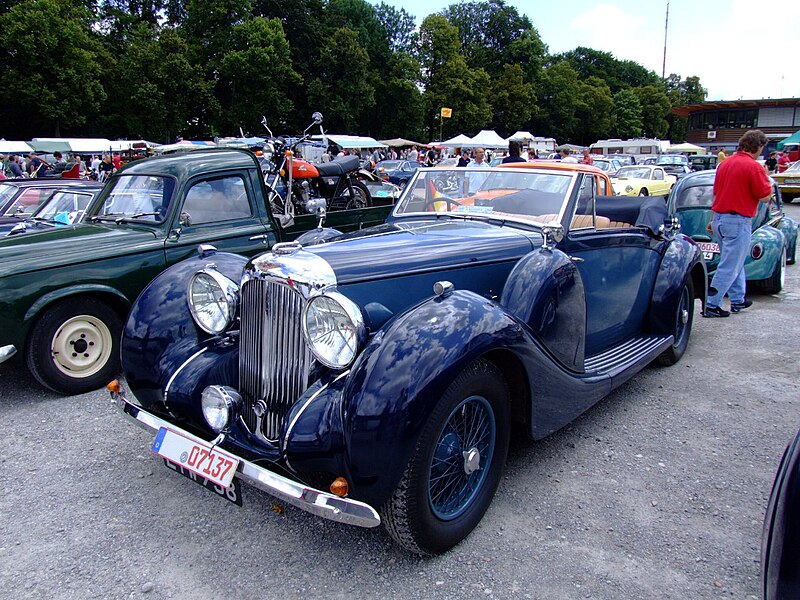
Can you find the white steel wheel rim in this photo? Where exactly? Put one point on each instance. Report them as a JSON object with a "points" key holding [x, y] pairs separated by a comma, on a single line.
{"points": [[81, 346]]}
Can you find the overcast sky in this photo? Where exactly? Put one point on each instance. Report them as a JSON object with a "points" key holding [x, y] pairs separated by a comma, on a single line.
{"points": [[739, 48]]}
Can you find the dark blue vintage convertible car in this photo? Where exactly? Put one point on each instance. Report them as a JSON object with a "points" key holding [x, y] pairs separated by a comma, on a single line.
{"points": [[375, 377]]}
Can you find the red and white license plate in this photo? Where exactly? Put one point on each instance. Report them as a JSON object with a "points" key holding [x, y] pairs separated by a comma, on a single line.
{"points": [[197, 456], [709, 249]]}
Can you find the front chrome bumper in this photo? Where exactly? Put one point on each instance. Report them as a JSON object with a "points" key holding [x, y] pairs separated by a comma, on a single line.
{"points": [[7, 352], [322, 504]]}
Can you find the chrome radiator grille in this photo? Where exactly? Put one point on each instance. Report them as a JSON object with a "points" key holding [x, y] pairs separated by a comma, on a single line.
{"points": [[274, 360]]}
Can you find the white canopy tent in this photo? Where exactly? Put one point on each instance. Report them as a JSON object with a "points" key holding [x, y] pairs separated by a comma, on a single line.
{"points": [[488, 138], [521, 136], [456, 142], [81, 145], [8, 147], [686, 147], [350, 142], [122, 145]]}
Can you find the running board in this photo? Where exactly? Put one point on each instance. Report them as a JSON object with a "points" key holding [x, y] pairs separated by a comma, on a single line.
{"points": [[627, 358]]}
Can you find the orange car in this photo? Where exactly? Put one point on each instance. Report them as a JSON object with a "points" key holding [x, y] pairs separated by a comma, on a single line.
{"points": [[603, 182]]}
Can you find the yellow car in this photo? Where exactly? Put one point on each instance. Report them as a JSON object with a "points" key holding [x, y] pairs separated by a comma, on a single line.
{"points": [[642, 180], [789, 181]]}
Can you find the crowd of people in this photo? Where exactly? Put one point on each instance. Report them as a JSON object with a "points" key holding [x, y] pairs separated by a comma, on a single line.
{"points": [[94, 166]]}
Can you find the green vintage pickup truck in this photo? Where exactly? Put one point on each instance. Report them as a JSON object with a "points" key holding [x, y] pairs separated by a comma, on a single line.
{"points": [[64, 293]]}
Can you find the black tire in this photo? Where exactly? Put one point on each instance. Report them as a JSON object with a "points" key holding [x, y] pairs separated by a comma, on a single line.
{"points": [[682, 327], [774, 283], [402, 185], [644, 192], [419, 515], [89, 327], [361, 198]]}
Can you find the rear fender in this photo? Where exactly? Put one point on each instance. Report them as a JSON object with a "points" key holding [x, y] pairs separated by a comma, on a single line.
{"points": [[681, 261], [772, 242], [545, 291]]}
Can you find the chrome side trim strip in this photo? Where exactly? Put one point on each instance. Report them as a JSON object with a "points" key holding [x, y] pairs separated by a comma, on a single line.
{"points": [[317, 502], [7, 352], [185, 363]]}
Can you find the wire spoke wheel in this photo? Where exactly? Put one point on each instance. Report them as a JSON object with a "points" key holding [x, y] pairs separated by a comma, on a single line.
{"points": [[463, 450]]}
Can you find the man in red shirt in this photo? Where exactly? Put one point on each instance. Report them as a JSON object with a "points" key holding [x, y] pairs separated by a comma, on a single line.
{"points": [[740, 184], [783, 162]]}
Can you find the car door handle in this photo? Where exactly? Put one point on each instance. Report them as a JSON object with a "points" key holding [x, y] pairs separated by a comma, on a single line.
{"points": [[263, 236], [576, 259]]}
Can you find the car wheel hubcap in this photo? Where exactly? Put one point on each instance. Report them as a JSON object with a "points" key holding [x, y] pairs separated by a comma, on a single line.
{"points": [[461, 456], [81, 346]]}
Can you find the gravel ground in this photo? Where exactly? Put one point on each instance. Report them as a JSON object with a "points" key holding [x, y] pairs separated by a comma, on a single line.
{"points": [[657, 492]]}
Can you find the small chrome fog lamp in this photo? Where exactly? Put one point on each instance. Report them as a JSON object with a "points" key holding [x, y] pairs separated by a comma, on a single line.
{"points": [[220, 406]]}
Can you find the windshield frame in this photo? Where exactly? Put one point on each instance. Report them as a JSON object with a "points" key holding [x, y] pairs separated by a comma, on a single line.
{"points": [[504, 217]]}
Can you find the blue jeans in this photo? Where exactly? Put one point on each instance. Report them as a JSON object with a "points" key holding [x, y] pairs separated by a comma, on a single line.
{"points": [[733, 234]]}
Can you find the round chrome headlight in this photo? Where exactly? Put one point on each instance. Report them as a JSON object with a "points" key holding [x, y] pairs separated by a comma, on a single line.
{"points": [[212, 300], [334, 329], [219, 404], [628, 188]]}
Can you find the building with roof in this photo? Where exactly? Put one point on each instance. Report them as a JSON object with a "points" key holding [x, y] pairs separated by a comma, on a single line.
{"points": [[715, 125]]}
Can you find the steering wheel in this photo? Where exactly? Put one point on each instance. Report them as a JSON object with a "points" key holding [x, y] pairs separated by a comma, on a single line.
{"points": [[450, 203]]}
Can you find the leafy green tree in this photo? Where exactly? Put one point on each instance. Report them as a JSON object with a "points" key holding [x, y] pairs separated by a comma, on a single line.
{"points": [[342, 90], [528, 51], [513, 100], [399, 25], [52, 62], [487, 29], [558, 94], [616, 73], [152, 87], [257, 73], [594, 110], [399, 105], [627, 115], [449, 82], [655, 108]]}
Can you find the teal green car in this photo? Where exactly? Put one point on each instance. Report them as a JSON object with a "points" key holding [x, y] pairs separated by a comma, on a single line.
{"points": [[65, 292], [774, 240]]}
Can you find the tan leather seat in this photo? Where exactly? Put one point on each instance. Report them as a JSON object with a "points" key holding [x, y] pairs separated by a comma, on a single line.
{"points": [[585, 221], [619, 225]]}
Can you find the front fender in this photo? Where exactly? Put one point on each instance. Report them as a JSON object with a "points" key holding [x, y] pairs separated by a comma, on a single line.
{"points": [[160, 334], [400, 376], [772, 242], [681, 260]]}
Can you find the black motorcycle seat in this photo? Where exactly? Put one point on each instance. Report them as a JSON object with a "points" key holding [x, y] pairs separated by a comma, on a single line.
{"points": [[339, 166]]}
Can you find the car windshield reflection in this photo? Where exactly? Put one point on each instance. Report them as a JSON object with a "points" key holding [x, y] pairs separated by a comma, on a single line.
{"points": [[527, 196], [140, 198]]}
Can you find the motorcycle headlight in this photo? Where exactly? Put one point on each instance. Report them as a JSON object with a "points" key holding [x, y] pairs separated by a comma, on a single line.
{"points": [[628, 188], [219, 404], [334, 329], [212, 300]]}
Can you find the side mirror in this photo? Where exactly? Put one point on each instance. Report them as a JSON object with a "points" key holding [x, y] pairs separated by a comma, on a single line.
{"points": [[317, 117], [553, 233]]}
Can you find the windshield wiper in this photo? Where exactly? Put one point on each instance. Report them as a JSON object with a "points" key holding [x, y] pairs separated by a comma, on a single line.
{"points": [[113, 217]]}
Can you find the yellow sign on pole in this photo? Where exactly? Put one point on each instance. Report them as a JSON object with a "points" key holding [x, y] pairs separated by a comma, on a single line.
{"points": [[447, 113]]}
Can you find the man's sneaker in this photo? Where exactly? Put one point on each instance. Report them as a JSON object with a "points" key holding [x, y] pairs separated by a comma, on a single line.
{"points": [[715, 311], [737, 306]]}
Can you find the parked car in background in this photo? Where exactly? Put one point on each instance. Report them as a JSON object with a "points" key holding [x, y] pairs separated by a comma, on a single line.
{"points": [[625, 159], [398, 172], [780, 540], [609, 165], [703, 162], [774, 241], [64, 207], [375, 378], [20, 197], [674, 164], [642, 180], [789, 182], [64, 293]]}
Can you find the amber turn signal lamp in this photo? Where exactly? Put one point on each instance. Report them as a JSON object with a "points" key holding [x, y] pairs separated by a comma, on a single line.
{"points": [[339, 487], [114, 387], [289, 153]]}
